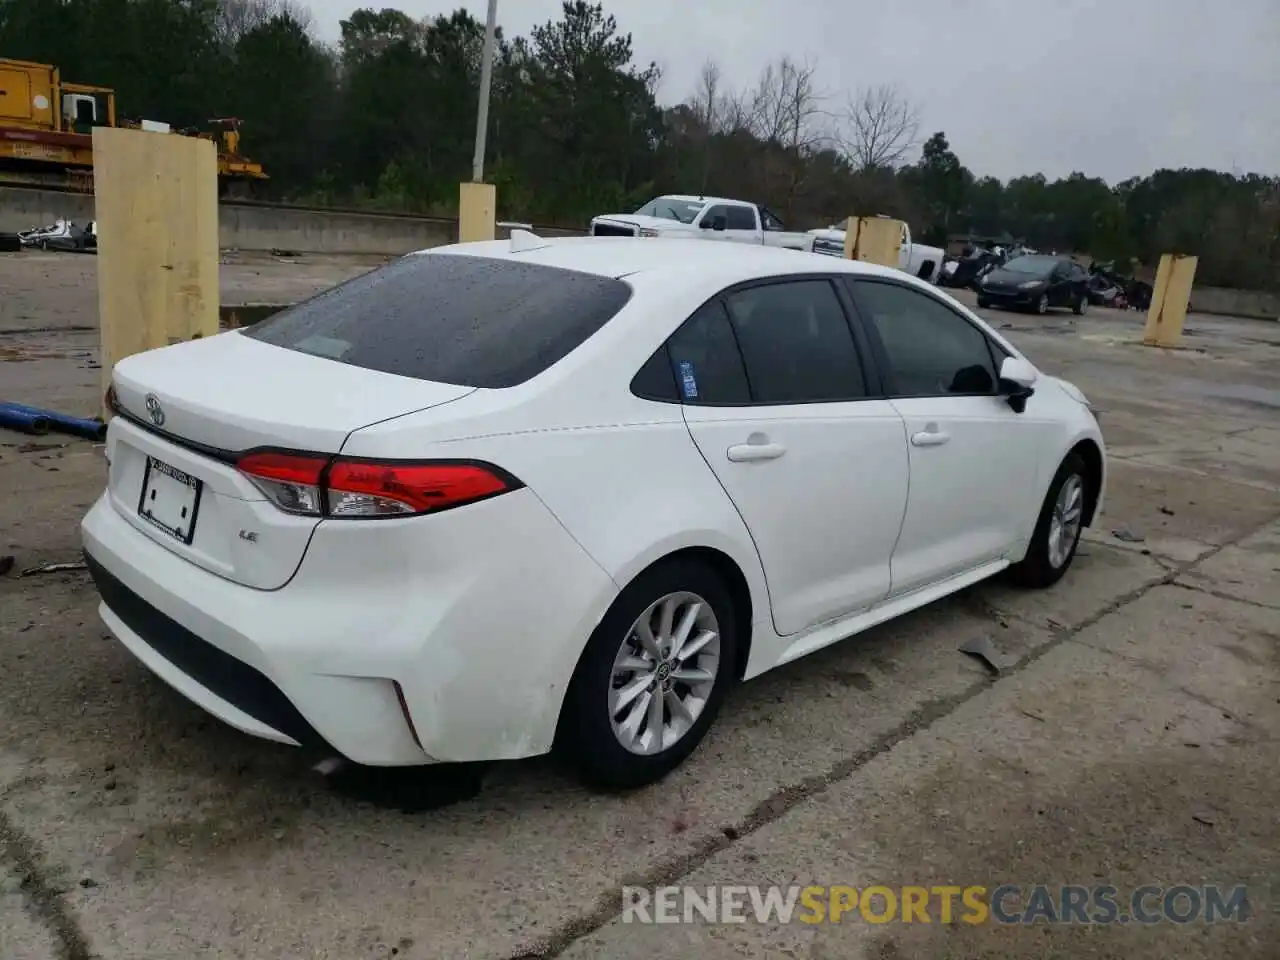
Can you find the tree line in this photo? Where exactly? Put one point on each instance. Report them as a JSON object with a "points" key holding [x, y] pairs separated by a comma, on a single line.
{"points": [[385, 118]]}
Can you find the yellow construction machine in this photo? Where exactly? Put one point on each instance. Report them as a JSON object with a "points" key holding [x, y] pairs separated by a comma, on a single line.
{"points": [[46, 132]]}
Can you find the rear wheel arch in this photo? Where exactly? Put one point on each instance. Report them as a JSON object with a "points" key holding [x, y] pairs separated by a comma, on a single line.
{"points": [[581, 736], [734, 579]]}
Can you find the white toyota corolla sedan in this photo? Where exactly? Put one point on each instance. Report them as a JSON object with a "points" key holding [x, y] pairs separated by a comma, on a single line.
{"points": [[501, 497]]}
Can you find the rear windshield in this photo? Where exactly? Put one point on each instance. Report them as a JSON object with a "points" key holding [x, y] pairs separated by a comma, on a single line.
{"points": [[470, 321]]}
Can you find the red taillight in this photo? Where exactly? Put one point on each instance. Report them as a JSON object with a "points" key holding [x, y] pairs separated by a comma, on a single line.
{"points": [[284, 467], [315, 485], [366, 488], [290, 480]]}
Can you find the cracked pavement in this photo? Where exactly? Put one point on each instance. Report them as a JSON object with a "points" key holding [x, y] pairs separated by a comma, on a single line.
{"points": [[1129, 739]]}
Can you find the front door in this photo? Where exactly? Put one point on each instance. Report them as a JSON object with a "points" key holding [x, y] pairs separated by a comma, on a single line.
{"points": [[1061, 290], [775, 399], [973, 460]]}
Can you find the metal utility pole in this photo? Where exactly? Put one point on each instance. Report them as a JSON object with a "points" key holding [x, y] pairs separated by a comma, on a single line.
{"points": [[486, 80]]}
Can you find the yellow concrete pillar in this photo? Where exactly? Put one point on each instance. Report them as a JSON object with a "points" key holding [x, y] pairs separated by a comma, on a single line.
{"points": [[477, 212], [156, 206], [873, 240], [1170, 299]]}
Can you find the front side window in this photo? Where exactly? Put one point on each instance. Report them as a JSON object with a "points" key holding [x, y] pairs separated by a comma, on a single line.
{"points": [[932, 350], [709, 217], [796, 343]]}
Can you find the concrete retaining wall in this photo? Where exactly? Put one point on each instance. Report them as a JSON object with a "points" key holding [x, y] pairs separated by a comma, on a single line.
{"points": [[24, 209], [247, 226], [1257, 304]]}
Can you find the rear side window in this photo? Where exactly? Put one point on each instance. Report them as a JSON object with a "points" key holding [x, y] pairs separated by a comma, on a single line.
{"points": [[705, 359], [471, 321], [741, 218], [796, 343]]}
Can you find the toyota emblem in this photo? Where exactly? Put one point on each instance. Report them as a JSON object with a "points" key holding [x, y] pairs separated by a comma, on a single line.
{"points": [[154, 410]]}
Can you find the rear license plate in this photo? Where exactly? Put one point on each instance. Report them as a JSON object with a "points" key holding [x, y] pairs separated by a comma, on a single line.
{"points": [[170, 500]]}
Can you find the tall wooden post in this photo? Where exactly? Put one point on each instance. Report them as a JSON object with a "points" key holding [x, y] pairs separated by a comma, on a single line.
{"points": [[873, 240], [477, 212], [1170, 299], [156, 200]]}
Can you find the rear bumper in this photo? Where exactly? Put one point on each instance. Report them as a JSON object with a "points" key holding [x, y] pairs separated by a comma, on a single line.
{"points": [[478, 615], [205, 674]]}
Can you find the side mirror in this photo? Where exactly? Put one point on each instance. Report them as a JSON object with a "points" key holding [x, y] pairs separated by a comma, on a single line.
{"points": [[717, 222], [1017, 382]]}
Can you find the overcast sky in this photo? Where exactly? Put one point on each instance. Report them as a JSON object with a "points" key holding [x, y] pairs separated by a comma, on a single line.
{"points": [[1114, 88]]}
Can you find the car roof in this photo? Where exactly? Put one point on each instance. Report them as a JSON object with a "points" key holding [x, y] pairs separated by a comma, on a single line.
{"points": [[619, 257], [690, 198]]}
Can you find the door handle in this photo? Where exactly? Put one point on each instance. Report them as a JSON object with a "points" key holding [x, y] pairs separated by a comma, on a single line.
{"points": [[929, 438], [758, 450]]}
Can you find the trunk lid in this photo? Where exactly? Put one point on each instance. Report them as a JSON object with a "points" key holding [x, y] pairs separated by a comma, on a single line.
{"points": [[192, 407], [235, 393]]}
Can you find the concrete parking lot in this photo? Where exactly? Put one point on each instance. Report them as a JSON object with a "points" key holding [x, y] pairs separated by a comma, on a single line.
{"points": [[1129, 738]]}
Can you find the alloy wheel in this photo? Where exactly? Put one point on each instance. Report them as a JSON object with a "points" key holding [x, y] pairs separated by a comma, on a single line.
{"points": [[664, 672], [1064, 523]]}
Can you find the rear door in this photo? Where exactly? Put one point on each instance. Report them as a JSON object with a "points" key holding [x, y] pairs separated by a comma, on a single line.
{"points": [[783, 410], [741, 224], [973, 460]]}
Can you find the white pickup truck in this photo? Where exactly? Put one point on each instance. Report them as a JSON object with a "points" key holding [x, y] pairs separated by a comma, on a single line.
{"points": [[914, 258], [706, 218]]}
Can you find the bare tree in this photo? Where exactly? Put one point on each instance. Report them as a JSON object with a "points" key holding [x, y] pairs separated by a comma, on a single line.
{"points": [[880, 127], [785, 108], [705, 103], [707, 95], [235, 18], [784, 111]]}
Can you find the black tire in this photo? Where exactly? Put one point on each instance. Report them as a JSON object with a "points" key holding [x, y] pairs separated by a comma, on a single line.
{"points": [[585, 736], [983, 303], [1036, 570], [1079, 306]]}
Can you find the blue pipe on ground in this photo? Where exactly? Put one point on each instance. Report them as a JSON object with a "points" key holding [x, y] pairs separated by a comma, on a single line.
{"points": [[76, 426], [22, 420]]}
